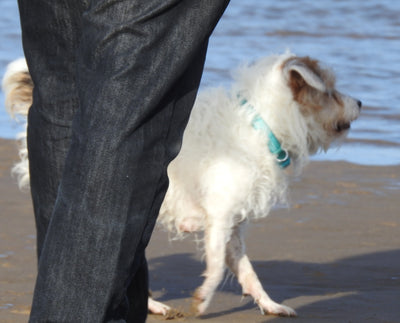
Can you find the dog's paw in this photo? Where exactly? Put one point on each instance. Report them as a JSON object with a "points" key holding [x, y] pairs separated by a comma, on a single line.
{"points": [[158, 308], [270, 307], [200, 303]]}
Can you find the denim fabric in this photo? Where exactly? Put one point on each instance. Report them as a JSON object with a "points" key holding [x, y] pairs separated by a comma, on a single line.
{"points": [[115, 81]]}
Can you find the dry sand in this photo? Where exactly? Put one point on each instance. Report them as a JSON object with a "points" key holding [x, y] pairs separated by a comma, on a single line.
{"points": [[334, 256]]}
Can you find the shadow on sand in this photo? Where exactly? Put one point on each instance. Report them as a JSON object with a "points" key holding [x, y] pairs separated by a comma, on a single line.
{"points": [[368, 284]]}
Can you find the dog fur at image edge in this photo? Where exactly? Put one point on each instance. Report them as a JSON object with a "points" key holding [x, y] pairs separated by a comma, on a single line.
{"points": [[225, 173]]}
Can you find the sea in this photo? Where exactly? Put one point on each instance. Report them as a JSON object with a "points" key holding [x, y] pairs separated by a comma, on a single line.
{"points": [[359, 40]]}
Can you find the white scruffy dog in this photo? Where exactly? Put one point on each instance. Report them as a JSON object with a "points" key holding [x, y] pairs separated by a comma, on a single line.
{"points": [[232, 164]]}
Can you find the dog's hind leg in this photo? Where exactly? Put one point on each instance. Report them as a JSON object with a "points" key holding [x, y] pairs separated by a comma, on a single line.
{"points": [[240, 265], [217, 234]]}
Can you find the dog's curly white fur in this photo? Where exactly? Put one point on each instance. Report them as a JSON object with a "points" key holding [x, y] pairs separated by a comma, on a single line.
{"points": [[17, 87], [225, 174]]}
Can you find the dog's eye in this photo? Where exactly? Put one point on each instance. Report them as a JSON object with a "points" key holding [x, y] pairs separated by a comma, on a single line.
{"points": [[336, 97]]}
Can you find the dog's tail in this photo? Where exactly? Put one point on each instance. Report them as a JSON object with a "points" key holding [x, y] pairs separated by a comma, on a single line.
{"points": [[17, 86]]}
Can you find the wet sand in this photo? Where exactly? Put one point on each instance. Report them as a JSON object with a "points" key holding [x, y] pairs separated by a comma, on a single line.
{"points": [[334, 256]]}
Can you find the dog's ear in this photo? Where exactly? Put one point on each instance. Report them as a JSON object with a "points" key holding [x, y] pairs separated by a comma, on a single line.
{"points": [[301, 71]]}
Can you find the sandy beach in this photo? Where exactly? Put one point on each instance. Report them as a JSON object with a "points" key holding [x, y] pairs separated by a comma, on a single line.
{"points": [[334, 256]]}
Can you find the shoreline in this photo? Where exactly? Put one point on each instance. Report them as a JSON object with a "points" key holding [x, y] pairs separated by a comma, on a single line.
{"points": [[334, 256]]}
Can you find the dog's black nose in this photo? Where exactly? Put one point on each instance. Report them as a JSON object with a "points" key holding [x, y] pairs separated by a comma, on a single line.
{"points": [[359, 103]]}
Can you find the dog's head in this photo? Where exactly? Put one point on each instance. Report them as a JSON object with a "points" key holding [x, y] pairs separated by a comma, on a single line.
{"points": [[328, 113]]}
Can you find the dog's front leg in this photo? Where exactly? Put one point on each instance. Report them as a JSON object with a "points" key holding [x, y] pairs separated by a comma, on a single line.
{"points": [[217, 234], [240, 265]]}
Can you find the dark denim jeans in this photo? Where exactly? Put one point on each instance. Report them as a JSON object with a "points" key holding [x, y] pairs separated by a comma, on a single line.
{"points": [[115, 81]]}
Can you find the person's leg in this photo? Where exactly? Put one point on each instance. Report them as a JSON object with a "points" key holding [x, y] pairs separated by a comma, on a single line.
{"points": [[138, 77], [49, 30], [136, 304]]}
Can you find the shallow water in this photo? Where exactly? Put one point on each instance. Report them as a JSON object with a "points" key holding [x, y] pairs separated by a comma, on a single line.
{"points": [[360, 40]]}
